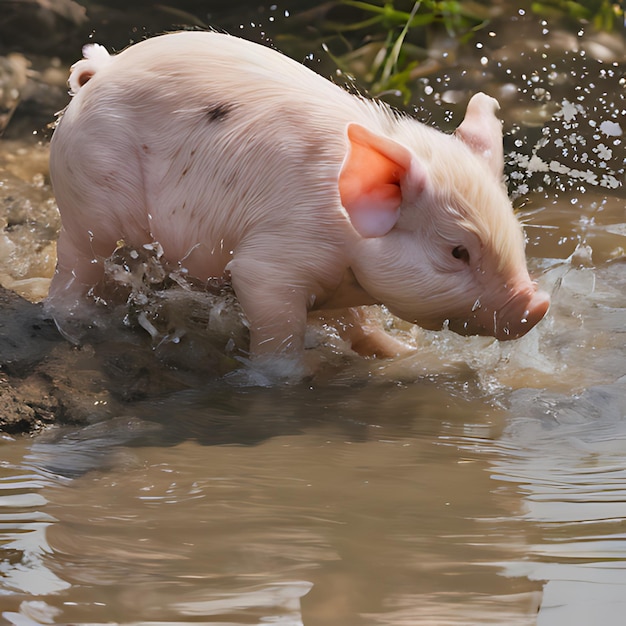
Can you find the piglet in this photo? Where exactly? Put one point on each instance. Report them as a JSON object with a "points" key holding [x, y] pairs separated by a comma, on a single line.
{"points": [[246, 165]]}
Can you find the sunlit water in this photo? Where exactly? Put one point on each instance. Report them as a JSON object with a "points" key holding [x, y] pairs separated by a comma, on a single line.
{"points": [[469, 483]]}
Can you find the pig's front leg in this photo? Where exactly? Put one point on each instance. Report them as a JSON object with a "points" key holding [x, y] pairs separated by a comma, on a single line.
{"points": [[276, 308]]}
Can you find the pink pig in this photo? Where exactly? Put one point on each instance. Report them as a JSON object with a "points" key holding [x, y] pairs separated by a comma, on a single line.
{"points": [[244, 164]]}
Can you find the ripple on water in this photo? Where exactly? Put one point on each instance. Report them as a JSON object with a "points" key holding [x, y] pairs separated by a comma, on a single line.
{"points": [[567, 456], [23, 528]]}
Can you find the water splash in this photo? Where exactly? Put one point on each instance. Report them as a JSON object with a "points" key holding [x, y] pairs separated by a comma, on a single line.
{"points": [[584, 160]]}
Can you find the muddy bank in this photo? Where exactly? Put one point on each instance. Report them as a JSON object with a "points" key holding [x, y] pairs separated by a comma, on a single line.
{"points": [[33, 389], [45, 379]]}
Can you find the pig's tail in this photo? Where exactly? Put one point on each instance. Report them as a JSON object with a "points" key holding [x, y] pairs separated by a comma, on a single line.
{"points": [[95, 57]]}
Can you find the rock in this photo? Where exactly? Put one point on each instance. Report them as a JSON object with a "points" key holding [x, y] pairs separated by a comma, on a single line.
{"points": [[26, 338]]}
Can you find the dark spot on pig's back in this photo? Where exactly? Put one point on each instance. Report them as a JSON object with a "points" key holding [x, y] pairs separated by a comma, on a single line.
{"points": [[218, 112]]}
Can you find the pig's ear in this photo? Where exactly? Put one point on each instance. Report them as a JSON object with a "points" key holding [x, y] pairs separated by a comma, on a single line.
{"points": [[369, 182], [481, 130]]}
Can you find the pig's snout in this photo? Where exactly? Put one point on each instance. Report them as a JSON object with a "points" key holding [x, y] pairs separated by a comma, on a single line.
{"points": [[522, 313], [523, 309]]}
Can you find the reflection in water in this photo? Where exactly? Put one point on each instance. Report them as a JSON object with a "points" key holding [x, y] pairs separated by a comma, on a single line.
{"points": [[23, 525], [391, 502], [284, 597]]}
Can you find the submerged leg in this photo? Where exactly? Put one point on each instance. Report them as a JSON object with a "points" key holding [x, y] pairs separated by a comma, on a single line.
{"points": [[364, 332], [76, 273]]}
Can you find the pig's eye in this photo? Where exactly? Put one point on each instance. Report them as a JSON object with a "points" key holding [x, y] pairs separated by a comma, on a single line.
{"points": [[461, 253]]}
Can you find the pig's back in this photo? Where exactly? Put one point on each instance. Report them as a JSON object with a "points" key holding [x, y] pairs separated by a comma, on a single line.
{"points": [[188, 72]]}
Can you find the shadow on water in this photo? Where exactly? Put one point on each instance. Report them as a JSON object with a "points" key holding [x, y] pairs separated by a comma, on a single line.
{"points": [[223, 414]]}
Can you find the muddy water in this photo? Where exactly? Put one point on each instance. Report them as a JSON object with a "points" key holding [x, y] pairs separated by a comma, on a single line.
{"points": [[470, 483]]}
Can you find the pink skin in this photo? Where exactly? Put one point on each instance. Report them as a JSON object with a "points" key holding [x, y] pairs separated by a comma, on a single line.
{"points": [[242, 163]]}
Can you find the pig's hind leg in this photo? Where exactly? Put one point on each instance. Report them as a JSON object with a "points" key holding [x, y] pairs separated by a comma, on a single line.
{"points": [[99, 187], [77, 272]]}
